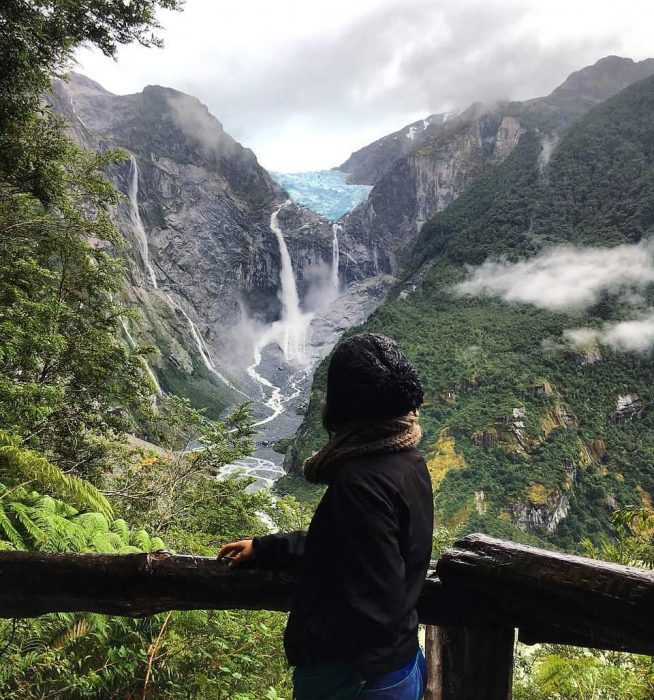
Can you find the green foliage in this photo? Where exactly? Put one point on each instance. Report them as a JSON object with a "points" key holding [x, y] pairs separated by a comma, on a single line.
{"points": [[553, 672], [37, 41], [634, 545], [482, 359], [23, 466], [63, 369], [568, 673]]}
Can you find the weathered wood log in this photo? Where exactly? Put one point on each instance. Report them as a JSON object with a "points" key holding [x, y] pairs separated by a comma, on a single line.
{"points": [[552, 596], [133, 585]]}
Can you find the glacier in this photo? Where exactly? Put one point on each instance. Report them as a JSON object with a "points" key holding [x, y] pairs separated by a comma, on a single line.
{"points": [[324, 191]]}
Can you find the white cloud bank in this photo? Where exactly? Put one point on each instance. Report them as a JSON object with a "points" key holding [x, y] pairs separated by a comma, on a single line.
{"points": [[565, 278], [572, 279], [625, 336]]}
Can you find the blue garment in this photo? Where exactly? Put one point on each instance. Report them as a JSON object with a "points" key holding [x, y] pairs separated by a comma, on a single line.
{"points": [[341, 682]]}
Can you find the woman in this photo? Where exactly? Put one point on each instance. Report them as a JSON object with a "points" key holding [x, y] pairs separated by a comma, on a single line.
{"points": [[353, 627]]}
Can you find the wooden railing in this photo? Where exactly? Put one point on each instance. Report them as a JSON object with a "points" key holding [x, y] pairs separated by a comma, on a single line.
{"points": [[475, 598]]}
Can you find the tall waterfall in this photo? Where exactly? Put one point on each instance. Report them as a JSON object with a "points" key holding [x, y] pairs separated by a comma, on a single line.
{"points": [[289, 332], [335, 256], [291, 329], [135, 216]]}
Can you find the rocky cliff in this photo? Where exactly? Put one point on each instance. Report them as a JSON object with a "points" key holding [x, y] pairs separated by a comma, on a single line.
{"points": [[205, 266], [421, 169]]}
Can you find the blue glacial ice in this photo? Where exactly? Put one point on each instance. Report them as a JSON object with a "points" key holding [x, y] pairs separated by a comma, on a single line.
{"points": [[324, 191]]}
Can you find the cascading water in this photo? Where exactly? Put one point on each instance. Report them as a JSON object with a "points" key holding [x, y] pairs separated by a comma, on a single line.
{"points": [[289, 332], [203, 350], [132, 344], [144, 252], [291, 329], [335, 257], [135, 216]]}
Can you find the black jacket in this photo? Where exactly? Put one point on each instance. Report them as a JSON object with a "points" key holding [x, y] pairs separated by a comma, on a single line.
{"points": [[361, 565]]}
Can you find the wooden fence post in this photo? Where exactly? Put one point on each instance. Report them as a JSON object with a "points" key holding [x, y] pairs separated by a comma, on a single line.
{"points": [[488, 665], [476, 663], [433, 656], [452, 647]]}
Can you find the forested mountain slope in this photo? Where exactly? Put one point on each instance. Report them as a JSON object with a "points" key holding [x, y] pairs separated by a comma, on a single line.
{"points": [[527, 307], [445, 157]]}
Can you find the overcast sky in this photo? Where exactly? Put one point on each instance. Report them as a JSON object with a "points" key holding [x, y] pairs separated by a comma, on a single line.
{"points": [[305, 82]]}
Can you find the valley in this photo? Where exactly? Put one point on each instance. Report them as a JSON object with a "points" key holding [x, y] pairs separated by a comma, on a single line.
{"points": [[246, 280]]}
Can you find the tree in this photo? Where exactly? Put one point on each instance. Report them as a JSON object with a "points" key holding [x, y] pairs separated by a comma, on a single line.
{"points": [[37, 40]]}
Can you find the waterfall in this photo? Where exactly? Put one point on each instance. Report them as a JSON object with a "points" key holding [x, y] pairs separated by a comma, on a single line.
{"points": [[290, 331], [145, 257], [132, 344], [203, 350], [335, 257], [135, 216]]}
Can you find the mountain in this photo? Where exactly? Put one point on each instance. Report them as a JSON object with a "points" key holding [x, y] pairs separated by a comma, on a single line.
{"points": [[240, 292], [527, 306], [417, 181], [368, 164], [581, 91], [205, 266]]}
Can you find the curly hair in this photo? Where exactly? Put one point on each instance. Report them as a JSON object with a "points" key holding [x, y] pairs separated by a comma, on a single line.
{"points": [[369, 379]]}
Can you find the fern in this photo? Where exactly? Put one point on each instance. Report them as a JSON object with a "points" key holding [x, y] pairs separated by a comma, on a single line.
{"points": [[24, 464], [23, 515], [14, 539], [80, 627], [120, 527], [141, 539]]}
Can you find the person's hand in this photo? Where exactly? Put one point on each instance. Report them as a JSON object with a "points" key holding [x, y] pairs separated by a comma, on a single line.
{"points": [[237, 552]]}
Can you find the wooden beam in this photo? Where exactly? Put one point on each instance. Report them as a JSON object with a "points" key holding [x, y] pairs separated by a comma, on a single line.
{"points": [[134, 585], [552, 596], [485, 582]]}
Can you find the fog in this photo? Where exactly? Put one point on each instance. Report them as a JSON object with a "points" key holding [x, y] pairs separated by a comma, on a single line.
{"points": [[565, 277]]}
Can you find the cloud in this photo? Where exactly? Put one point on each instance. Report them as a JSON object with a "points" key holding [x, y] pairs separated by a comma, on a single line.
{"points": [[304, 84], [565, 278], [636, 335]]}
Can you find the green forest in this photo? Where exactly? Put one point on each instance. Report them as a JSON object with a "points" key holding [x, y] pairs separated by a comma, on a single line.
{"points": [[525, 416], [73, 393]]}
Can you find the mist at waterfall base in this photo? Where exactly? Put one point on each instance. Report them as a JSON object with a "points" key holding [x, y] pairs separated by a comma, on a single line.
{"points": [[280, 356], [284, 354], [325, 191]]}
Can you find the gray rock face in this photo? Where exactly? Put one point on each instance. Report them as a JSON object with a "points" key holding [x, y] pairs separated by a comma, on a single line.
{"points": [[367, 165], [205, 204], [415, 178], [427, 180], [548, 514], [582, 90]]}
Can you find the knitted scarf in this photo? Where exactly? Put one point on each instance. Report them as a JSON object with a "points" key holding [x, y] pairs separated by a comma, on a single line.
{"points": [[393, 435]]}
